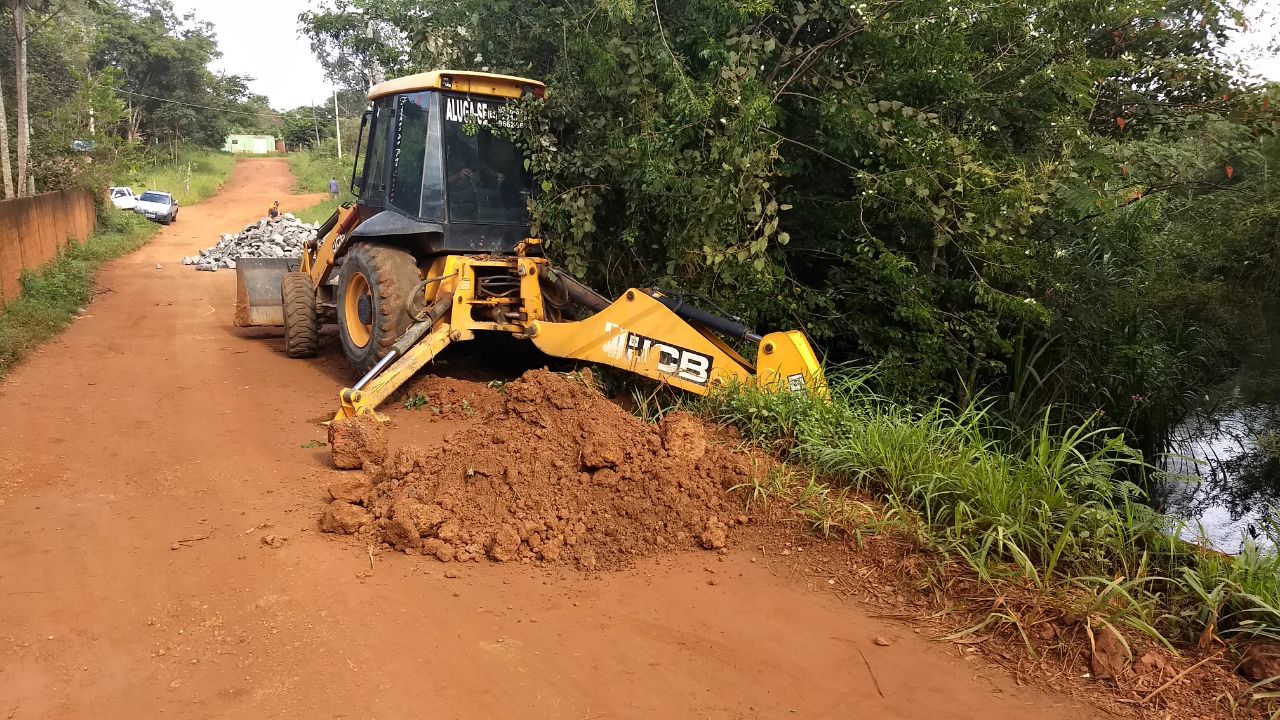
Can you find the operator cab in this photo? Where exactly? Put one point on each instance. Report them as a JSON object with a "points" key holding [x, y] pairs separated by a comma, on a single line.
{"points": [[441, 174]]}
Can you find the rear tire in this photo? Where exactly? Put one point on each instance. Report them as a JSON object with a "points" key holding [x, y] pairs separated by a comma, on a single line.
{"points": [[301, 326], [374, 284]]}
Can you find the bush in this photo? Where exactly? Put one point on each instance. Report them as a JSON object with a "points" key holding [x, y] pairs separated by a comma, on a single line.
{"points": [[312, 170]]}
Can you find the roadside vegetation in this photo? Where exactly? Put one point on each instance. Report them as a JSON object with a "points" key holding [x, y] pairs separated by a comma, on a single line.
{"points": [[52, 295], [313, 167], [1036, 516], [975, 198], [195, 175]]}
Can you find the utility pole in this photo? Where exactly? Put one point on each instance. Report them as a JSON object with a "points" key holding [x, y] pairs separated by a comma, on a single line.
{"points": [[337, 129], [315, 123]]}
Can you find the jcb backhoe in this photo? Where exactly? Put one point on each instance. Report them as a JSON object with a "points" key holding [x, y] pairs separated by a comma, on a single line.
{"points": [[437, 248]]}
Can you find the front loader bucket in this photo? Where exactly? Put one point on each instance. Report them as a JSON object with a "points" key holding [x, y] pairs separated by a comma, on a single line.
{"points": [[258, 280]]}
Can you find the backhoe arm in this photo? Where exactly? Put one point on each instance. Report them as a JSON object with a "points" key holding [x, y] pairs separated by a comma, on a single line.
{"points": [[640, 333], [647, 332]]}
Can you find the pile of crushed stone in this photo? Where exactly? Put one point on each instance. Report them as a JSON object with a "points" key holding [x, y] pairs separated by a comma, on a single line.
{"points": [[555, 474], [267, 238]]}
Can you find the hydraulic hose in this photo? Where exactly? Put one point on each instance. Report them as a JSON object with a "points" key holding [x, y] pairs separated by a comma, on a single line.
{"points": [[732, 328]]}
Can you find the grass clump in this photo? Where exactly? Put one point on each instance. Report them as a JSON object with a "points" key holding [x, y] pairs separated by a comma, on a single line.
{"points": [[52, 294], [319, 212], [1045, 508], [312, 170], [196, 175]]}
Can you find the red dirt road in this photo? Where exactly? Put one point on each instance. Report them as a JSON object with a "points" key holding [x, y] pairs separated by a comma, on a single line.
{"points": [[153, 421]]}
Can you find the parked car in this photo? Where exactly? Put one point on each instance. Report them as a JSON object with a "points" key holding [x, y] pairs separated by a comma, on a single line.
{"points": [[123, 197], [157, 206]]}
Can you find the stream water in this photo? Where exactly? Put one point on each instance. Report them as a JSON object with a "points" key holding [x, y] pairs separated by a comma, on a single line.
{"points": [[1223, 473]]}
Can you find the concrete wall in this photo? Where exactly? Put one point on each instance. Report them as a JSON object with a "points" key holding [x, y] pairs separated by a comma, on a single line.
{"points": [[33, 230]]}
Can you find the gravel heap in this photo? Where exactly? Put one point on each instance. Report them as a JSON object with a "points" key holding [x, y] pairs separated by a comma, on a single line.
{"points": [[266, 238]]}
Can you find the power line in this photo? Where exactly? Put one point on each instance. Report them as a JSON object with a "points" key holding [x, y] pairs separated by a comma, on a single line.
{"points": [[211, 107], [206, 107]]}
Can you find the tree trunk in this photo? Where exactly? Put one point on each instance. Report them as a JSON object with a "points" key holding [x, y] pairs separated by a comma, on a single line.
{"points": [[23, 120], [6, 168]]}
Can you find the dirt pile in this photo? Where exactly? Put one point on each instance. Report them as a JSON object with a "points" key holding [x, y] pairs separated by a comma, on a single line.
{"points": [[557, 474], [445, 398]]}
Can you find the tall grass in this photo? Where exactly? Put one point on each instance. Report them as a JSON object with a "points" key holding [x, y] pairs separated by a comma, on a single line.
{"points": [[1044, 506], [197, 174], [52, 294], [312, 170]]}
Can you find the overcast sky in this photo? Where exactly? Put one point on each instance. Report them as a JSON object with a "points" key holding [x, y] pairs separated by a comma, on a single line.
{"points": [[259, 38]]}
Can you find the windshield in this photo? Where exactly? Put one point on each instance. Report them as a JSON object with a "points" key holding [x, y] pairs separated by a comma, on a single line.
{"points": [[154, 197], [484, 171], [119, 192]]}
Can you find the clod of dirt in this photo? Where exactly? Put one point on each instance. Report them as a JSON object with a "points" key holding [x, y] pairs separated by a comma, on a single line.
{"points": [[1110, 654], [1260, 661], [274, 541], [344, 518], [351, 490], [356, 441], [1151, 663], [557, 474], [715, 534]]}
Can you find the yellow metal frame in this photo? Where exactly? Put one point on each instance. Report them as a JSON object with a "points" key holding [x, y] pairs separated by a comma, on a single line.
{"points": [[318, 259], [636, 333], [475, 83]]}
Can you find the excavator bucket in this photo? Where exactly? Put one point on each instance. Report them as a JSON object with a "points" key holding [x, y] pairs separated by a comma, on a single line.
{"points": [[258, 300]]}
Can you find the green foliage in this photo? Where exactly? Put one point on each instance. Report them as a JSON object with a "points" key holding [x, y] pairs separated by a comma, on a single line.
{"points": [[1039, 510], [1015, 198], [196, 174], [160, 62], [313, 168], [52, 295]]}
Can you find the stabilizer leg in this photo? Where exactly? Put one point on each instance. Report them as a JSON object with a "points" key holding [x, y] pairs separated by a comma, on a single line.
{"points": [[365, 398]]}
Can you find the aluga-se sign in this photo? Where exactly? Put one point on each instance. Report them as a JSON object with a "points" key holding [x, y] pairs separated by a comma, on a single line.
{"points": [[483, 113]]}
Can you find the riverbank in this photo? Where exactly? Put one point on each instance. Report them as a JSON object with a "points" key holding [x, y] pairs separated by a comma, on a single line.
{"points": [[1032, 527]]}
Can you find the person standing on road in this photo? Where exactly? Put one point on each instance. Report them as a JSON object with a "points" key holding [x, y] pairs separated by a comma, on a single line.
{"points": [[333, 188]]}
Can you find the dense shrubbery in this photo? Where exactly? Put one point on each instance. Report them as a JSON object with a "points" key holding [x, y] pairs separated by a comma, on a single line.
{"points": [[1019, 199]]}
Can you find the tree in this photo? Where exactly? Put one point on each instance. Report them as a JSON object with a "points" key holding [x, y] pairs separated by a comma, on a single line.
{"points": [[20, 37], [6, 168], [972, 196], [162, 61]]}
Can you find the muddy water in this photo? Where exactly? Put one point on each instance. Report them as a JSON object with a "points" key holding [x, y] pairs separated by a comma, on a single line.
{"points": [[1223, 481]]}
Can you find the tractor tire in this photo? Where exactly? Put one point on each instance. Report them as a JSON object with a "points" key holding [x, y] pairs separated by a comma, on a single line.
{"points": [[373, 285], [301, 325]]}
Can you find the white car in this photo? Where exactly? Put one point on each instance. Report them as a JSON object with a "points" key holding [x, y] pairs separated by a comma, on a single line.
{"points": [[123, 198], [157, 206]]}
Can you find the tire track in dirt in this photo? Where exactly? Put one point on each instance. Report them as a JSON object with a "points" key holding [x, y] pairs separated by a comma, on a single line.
{"points": [[153, 421]]}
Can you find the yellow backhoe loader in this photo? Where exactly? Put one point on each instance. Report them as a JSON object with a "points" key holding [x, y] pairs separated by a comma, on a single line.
{"points": [[437, 248]]}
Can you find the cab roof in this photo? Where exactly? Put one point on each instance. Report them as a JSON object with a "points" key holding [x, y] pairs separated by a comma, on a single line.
{"points": [[475, 83]]}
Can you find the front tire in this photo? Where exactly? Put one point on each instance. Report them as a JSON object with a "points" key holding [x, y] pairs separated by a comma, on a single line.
{"points": [[374, 284], [301, 325]]}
